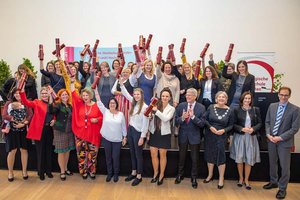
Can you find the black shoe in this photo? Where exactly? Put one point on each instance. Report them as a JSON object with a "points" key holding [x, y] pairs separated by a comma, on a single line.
{"points": [[42, 177], [68, 172], [160, 182], [136, 181], [248, 187], [207, 181], [63, 176], [194, 183], [240, 184], [92, 176], [270, 186], [220, 187], [10, 178], [84, 176], [108, 178], [178, 179], [116, 178], [130, 178], [154, 180], [50, 175], [25, 177], [281, 194]]}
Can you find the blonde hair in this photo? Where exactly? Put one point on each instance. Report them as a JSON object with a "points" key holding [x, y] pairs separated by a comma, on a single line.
{"points": [[152, 69], [191, 71], [89, 92]]}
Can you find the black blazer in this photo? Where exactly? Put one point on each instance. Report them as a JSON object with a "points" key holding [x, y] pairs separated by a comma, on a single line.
{"points": [[240, 118], [249, 84], [216, 86], [190, 132]]}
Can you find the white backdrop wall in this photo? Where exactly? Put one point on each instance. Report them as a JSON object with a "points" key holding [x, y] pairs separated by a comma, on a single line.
{"points": [[257, 25]]}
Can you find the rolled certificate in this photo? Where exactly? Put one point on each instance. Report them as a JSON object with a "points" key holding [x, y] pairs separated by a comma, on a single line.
{"points": [[94, 59], [141, 42], [171, 53], [119, 72], [57, 48], [136, 53], [148, 41], [21, 82], [60, 48], [229, 52], [90, 53], [96, 79], [159, 55], [182, 47], [197, 70], [96, 45], [150, 107], [86, 47], [202, 54], [41, 52], [121, 54], [52, 93]]}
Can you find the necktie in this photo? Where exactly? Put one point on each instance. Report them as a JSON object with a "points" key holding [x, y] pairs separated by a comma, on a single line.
{"points": [[187, 120], [278, 119]]}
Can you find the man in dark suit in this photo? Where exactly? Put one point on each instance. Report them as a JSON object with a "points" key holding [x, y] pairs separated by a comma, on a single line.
{"points": [[190, 118], [282, 123]]}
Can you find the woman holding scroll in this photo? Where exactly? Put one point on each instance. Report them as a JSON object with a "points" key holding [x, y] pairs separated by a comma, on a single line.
{"points": [[241, 81], [160, 137], [46, 80], [30, 85], [40, 130], [86, 125], [56, 78], [137, 130]]}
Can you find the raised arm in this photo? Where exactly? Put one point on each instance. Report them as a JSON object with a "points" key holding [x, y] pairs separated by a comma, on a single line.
{"points": [[100, 104], [125, 92]]}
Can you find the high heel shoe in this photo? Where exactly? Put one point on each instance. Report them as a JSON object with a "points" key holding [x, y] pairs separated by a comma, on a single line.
{"points": [[63, 176], [68, 172], [220, 186], [25, 176], [160, 182], [207, 181], [10, 177], [154, 180], [84, 176]]}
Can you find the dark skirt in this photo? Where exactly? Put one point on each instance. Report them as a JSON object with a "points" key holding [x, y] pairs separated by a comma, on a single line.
{"points": [[16, 139], [160, 141]]}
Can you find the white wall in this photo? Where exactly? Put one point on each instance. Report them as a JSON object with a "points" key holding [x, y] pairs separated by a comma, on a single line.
{"points": [[257, 25]]}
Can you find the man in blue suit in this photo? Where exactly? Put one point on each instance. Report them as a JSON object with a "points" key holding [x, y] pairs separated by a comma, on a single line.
{"points": [[190, 119], [282, 123]]}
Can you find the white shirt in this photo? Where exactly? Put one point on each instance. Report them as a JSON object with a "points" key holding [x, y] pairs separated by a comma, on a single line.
{"points": [[207, 90], [113, 126]]}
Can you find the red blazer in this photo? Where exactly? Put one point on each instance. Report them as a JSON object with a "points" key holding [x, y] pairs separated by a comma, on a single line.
{"points": [[36, 126]]}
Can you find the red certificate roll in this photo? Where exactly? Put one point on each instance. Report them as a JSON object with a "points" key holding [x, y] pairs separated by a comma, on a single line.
{"points": [[52, 93], [21, 82], [57, 46], [141, 38], [119, 72], [229, 52], [96, 45], [150, 107], [41, 52], [60, 48], [197, 70], [136, 53], [96, 79], [86, 47], [70, 71], [148, 41], [159, 55], [171, 52], [94, 59], [90, 53], [202, 54], [182, 47]]}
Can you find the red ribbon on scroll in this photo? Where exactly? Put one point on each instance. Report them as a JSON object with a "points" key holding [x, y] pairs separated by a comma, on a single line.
{"points": [[150, 107]]}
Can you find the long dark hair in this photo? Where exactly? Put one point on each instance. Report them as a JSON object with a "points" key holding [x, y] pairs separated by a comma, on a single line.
{"points": [[160, 106], [12, 97], [134, 102]]}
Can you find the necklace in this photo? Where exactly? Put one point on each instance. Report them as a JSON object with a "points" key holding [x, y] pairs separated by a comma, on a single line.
{"points": [[221, 116], [86, 112]]}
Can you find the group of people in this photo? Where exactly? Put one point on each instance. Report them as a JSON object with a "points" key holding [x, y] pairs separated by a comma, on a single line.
{"points": [[71, 115]]}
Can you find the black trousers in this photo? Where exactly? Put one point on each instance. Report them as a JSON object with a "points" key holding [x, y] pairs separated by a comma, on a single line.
{"points": [[112, 156], [136, 151], [183, 148], [44, 151]]}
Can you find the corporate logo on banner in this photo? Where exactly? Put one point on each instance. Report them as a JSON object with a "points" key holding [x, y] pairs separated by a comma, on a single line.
{"points": [[105, 54], [261, 65]]}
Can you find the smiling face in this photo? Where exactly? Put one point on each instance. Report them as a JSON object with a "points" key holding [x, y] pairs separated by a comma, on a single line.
{"points": [[126, 73], [284, 96], [104, 69], [86, 97], [247, 100], [148, 67], [112, 105], [64, 97], [187, 69], [116, 65], [242, 68], [165, 97], [208, 73], [86, 67], [167, 69], [190, 97], [50, 67], [17, 95], [74, 70], [57, 66], [44, 95], [137, 95], [221, 99]]}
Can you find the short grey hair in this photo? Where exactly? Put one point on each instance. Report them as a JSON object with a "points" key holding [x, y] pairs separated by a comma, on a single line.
{"points": [[193, 91], [221, 92]]}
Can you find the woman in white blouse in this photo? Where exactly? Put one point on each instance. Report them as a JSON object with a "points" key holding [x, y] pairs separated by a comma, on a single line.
{"points": [[113, 135], [160, 137], [137, 130]]}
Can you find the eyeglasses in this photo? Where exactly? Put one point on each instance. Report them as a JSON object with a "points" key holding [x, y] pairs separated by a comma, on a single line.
{"points": [[284, 95]]}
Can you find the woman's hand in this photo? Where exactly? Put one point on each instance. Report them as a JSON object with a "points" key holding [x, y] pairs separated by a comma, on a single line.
{"points": [[19, 125], [141, 141], [213, 129], [94, 120], [124, 141], [220, 132], [52, 122]]}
